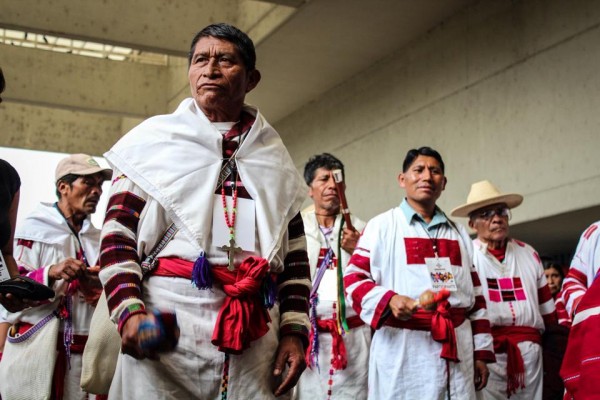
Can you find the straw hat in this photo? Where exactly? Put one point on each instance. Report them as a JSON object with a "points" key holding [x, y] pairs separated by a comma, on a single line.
{"points": [[483, 194]]}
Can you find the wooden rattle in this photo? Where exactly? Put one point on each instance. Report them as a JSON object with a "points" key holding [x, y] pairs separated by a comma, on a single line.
{"points": [[428, 299]]}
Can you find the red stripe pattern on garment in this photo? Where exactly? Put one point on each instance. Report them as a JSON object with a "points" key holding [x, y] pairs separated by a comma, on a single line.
{"points": [[417, 249], [123, 210]]}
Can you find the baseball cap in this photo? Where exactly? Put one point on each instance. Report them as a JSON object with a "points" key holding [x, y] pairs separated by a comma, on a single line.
{"points": [[80, 164]]}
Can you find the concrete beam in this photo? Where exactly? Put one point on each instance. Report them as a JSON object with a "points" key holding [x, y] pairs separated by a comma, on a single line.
{"points": [[47, 129], [83, 83], [159, 26]]}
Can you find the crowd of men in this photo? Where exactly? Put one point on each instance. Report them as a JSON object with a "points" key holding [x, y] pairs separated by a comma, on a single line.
{"points": [[269, 300]]}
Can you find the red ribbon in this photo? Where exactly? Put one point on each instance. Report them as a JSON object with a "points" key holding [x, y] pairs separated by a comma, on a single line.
{"points": [[441, 323], [338, 351], [242, 317], [442, 331], [506, 340]]}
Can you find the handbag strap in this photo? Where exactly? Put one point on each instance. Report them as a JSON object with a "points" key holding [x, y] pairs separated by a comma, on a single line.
{"points": [[31, 331], [149, 262]]}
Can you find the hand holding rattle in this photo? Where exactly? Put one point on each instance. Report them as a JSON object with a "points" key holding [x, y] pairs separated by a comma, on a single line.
{"points": [[428, 299]]}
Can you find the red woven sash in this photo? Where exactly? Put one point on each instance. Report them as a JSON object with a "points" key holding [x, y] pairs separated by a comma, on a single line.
{"points": [[338, 351], [506, 340], [440, 322], [242, 317]]}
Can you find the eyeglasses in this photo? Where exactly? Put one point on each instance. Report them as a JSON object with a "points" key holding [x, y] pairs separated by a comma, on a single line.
{"points": [[489, 214]]}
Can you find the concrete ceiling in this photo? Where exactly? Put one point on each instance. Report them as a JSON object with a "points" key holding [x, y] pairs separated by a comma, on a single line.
{"points": [[304, 47], [328, 41]]}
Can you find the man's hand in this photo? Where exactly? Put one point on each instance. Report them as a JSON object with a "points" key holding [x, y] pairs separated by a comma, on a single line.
{"points": [[349, 240], [402, 307], [69, 269], [90, 286], [89, 278], [481, 374], [291, 353], [14, 303], [130, 342]]}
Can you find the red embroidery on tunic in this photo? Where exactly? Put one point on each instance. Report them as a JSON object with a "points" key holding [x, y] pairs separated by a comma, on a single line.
{"points": [[417, 249], [506, 289], [589, 231], [332, 262], [25, 243]]}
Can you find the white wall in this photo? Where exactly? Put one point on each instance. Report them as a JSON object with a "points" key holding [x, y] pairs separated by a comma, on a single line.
{"points": [[506, 91], [36, 171]]}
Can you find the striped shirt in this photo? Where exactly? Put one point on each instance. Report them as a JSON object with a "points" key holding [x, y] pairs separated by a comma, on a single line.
{"points": [[583, 270], [135, 222]]}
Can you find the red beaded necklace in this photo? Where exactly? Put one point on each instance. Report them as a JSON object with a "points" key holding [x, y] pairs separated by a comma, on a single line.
{"points": [[230, 222]]}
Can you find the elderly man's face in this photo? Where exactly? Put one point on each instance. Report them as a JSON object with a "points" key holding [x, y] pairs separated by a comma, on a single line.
{"points": [[491, 223], [219, 79], [323, 191]]}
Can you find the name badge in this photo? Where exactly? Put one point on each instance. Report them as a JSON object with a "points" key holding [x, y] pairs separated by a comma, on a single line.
{"points": [[245, 223], [441, 274], [4, 275]]}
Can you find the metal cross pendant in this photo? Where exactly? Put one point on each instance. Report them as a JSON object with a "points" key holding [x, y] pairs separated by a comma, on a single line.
{"points": [[231, 250]]}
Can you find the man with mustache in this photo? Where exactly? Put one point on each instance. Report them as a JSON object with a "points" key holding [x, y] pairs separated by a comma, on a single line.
{"points": [[418, 351], [516, 291], [57, 245], [236, 270], [339, 347]]}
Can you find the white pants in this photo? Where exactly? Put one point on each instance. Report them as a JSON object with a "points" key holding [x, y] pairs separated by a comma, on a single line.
{"points": [[195, 368]]}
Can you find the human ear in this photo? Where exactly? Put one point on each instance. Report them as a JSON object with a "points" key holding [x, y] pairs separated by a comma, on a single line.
{"points": [[401, 180], [62, 186], [253, 79]]}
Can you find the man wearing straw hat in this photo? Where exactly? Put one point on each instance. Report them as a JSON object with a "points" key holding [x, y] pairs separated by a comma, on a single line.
{"points": [[516, 292]]}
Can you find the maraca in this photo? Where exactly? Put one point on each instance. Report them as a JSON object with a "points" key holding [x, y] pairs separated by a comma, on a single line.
{"points": [[428, 299]]}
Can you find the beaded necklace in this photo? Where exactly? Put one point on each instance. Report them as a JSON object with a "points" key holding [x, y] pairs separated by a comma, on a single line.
{"points": [[231, 249], [229, 169]]}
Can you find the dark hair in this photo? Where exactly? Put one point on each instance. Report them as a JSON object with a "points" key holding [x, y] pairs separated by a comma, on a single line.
{"points": [[324, 160], [421, 151], [558, 268], [68, 179], [231, 34]]}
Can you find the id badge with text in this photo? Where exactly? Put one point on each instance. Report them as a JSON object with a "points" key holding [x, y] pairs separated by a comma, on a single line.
{"points": [[441, 274]]}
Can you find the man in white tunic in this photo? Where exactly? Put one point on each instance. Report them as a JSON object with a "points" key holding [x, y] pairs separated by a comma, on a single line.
{"points": [[419, 354], [581, 298], [57, 245], [516, 291], [338, 353], [220, 173]]}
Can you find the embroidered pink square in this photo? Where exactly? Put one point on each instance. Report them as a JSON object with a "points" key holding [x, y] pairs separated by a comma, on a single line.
{"points": [[505, 283], [495, 296], [520, 294]]}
